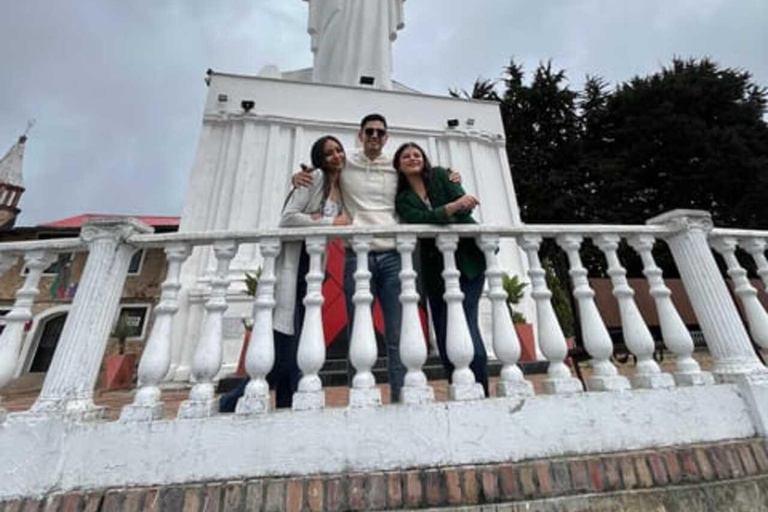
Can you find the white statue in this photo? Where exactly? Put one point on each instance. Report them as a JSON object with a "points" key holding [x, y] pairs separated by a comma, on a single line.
{"points": [[353, 39]]}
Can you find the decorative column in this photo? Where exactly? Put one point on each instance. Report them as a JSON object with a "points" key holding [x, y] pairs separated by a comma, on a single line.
{"points": [[68, 387], [413, 346], [206, 363], [552, 342], [723, 329], [362, 347], [756, 248], [505, 341], [459, 345], [673, 330], [13, 334], [156, 359], [597, 341], [636, 334], [311, 353], [260, 357], [757, 318]]}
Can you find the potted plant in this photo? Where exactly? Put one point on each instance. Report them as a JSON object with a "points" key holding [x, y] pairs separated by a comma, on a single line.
{"points": [[515, 289], [120, 368], [251, 286]]}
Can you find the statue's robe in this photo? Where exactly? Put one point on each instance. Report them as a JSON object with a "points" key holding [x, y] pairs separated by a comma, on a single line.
{"points": [[353, 38]]}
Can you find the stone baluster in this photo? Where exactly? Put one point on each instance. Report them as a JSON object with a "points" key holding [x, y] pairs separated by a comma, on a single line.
{"points": [[413, 346], [505, 341], [69, 384], [206, 363], [156, 359], [311, 352], [552, 342], [362, 349], [597, 341], [637, 336], [756, 248], [260, 357], [673, 330], [458, 339], [724, 332], [757, 318], [13, 334]]}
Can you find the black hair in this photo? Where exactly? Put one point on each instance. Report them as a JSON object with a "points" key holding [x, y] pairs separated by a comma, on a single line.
{"points": [[318, 159], [373, 117], [426, 173]]}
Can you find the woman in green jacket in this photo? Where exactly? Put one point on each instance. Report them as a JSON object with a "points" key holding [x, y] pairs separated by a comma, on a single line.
{"points": [[425, 195]]}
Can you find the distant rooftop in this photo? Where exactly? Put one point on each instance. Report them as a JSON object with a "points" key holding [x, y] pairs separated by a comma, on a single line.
{"points": [[78, 220]]}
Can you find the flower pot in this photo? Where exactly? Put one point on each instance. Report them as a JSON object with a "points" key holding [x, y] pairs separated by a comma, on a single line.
{"points": [[527, 342], [119, 371], [241, 371]]}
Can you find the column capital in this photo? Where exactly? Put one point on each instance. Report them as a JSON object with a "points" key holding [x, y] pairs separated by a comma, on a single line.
{"points": [[119, 229], [684, 220]]}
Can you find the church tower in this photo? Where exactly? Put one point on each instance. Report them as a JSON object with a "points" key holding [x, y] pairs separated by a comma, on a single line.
{"points": [[11, 183]]}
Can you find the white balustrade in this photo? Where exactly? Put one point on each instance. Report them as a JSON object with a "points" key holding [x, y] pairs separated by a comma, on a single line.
{"points": [[635, 332], [756, 248], [505, 342], [207, 360], [362, 347], [413, 346], [597, 341], [68, 387], [311, 352], [156, 358], [552, 341], [458, 338], [260, 357], [757, 318], [674, 333], [13, 334], [726, 337]]}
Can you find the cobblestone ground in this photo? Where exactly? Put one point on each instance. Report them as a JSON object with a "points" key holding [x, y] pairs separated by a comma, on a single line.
{"points": [[21, 398]]}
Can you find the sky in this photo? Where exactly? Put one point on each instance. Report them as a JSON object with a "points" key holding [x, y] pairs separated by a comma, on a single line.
{"points": [[117, 90]]}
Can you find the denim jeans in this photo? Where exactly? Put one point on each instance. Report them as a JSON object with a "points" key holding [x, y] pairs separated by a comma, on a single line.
{"points": [[472, 289], [285, 375], [384, 267]]}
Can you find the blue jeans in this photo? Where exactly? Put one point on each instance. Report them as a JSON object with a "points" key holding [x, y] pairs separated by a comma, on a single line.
{"points": [[472, 289], [384, 267]]}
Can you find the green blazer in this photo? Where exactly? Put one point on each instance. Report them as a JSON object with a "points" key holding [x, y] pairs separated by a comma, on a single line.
{"points": [[412, 210]]}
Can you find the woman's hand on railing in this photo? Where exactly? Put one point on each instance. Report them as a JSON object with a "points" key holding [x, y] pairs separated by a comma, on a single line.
{"points": [[342, 220]]}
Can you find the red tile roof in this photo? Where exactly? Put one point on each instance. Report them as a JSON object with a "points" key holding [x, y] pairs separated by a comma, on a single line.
{"points": [[78, 220]]}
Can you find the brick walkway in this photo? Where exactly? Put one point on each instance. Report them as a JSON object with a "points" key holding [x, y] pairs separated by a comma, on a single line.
{"points": [[336, 396]]}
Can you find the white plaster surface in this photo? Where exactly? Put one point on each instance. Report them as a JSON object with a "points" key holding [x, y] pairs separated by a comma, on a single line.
{"points": [[42, 455]]}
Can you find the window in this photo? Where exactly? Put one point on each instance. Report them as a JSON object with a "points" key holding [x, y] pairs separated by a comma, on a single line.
{"points": [[63, 261], [137, 261], [135, 319]]}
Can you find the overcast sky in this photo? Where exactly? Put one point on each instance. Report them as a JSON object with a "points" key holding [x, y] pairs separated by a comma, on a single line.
{"points": [[117, 86]]}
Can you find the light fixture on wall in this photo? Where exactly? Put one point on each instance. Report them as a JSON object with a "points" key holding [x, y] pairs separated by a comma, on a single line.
{"points": [[247, 105], [452, 123], [223, 98], [470, 122], [367, 80]]}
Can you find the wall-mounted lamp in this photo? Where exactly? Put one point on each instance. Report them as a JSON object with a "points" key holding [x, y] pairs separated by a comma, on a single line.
{"points": [[453, 123], [223, 98], [247, 105], [367, 80]]}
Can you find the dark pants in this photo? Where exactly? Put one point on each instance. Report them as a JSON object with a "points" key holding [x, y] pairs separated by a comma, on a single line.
{"points": [[384, 267], [285, 375], [472, 289]]}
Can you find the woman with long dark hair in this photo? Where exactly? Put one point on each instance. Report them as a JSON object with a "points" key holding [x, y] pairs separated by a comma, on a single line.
{"points": [[318, 205], [425, 195]]}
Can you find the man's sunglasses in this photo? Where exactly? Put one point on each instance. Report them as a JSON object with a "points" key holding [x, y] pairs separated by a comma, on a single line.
{"points": [[369, 132]]}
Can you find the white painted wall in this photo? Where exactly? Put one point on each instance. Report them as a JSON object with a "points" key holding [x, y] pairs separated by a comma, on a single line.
{"points": [[42, 454]]}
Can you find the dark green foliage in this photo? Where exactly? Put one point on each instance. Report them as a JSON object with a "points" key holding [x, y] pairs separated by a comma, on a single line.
{"points": [[515, 291], [560, 300]]}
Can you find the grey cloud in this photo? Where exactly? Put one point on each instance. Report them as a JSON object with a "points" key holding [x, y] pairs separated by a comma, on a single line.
{"points": [[117, 85]]}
